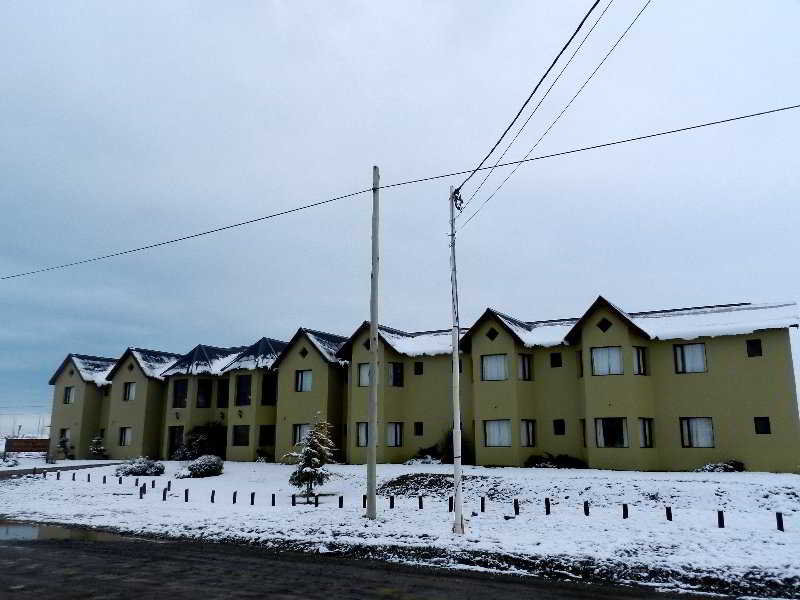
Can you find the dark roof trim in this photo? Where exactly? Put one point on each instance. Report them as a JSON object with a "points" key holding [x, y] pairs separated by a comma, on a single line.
{"points": [[575, 333]]}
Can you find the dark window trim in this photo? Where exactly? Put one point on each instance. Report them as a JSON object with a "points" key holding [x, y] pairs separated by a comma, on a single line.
{"points": [[625, 435], [679, 347], [684, 441], [642, 361], [526, 366], [533, 433], [591, 360]]}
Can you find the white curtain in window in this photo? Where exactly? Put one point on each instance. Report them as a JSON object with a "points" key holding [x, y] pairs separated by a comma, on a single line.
{"points": [[694, 356], [394, 434], [130, 391], [601, 438], [363, 374], [305, 381], [301, 431], [701, 431], [498, 432], [69, 395], [527, 435], [607, 361], [494, 367], [361, 434]]}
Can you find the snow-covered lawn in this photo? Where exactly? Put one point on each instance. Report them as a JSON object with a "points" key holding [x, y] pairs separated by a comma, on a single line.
{"points": [[29, 460], [748, 556]]}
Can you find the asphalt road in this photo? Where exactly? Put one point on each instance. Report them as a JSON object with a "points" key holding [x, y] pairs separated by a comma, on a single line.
{"points": [[168, 570]]}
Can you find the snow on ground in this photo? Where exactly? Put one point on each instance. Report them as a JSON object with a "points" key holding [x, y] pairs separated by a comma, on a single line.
{"points": [[748, 556]]}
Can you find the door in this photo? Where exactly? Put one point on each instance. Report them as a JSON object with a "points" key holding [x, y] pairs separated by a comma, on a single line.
{"points": [[174, 439]]}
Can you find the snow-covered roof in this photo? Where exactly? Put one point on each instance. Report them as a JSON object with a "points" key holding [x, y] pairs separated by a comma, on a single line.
{"points": [[204, 360], [328, 344], [92, 369], [420, 343], [677, 323], [153, 362], [261, 354]]}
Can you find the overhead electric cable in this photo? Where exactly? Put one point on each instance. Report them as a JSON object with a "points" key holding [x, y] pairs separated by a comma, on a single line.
{"points": [[413, 181], [580, 89], [524, 104], [535, 108]]}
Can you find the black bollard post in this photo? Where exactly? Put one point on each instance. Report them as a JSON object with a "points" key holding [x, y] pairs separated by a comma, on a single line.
{"points": [[586, 508], [141, 493], [341, 501], [294, 500], [169, 485], [154, 484], [547, 506], [34, 472], [58, 475], [136, 483], [44, 474], [720, 519], [73, 476], [316, 500], [420, 502], [213, 493], [144, 488], [391, 501], [164, 495], [120, 480], [669, 513], [779, 519], [88, 478], [273, 499], [516, 507], [186, 495], [364, 501], [234, 497], [252, 498], [624, 511], [104, 479], [450, 504], [483, 503]]}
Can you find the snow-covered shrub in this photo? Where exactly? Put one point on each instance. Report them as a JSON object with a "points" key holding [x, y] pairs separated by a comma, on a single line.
{"points": [[561, 461], [729, 466], [423, 460], [139, 466], [204, 466], [7, 461], [96, 448], [208, 439], [315, 451]]}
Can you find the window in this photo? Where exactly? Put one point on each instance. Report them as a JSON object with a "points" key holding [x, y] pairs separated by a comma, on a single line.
{"points": [[240, 435], [559, 427], [418, 367], [303, 353], [762, 425], [394, 434], [527, 433], [299, 432], [493, 367], [128, 391], [604, 324], [612, 432], [125, 436], [223, 391], [204, 387], [269, 388], [645, 433], [364, 370], [754, 348], [607, 361], [395, 371], [180, 389], [582, 425], [697, 432], [690, 358], [243, 390], [362, 435], [266, 435], [302, 381], [102, 434], [555, 360], [579, 360], [418, 428], [492, 334], [366, 344], [64, 434], [69, 395], [525, 367], [639, 360], [497, 433]]}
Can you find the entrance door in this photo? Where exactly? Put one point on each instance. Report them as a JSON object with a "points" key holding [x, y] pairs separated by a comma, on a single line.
{"points": [[174, 439]]}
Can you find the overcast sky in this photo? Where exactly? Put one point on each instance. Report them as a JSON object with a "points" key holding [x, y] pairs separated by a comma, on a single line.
{"points": [[127, 123]]}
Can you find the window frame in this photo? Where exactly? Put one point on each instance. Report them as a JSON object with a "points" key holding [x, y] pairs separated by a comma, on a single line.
{"points": [[261, 435], [359, 374], [419, 367], [762, 421], [646, 429], [297, 432], [686, 441], [224, 384], [300, 377], [419, 428], [395, 374], [640, 363], [182, 385], [525, 366], [504, 358], [69, 394], [754, 343], [239, 398], [510, 434], [626, 442], [269, 389], [125, 438], [397, 426], [362, 434], [129, 391], [563, 423], [556, 357], [679, 357], [527, 433], [610, 373], [210, 383], [235, 441]]}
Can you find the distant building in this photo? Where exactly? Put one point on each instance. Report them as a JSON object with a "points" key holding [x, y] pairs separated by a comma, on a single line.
{"points": [[654, 390]]}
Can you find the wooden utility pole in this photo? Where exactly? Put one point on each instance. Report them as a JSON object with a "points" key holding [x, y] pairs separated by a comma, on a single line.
{"points": [[372, 409], [458, 521]]}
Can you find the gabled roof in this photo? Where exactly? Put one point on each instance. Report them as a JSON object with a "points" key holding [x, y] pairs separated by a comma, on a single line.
{"points": [[327, 344], [260, 355], [203, 360], [151, 362], [666, 324], [409, 343], [92, 369]]}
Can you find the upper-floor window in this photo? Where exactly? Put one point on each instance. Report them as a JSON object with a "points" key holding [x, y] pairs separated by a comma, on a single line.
{"points": [[299, 432], [223, 392], [395, 372], [302, 380], [607, 361], [204, 387], [690, 358], [269, 388], [243, 390], [612, 432], [527, 433], [762, 425], [128, 391], [418, 367], [493, 367], [525, 370], [556, 360], [754, 348], [125, 436], [180, 390], [639, 360], [645, 432], [364, 371], [69, 395], [240, 435], [497, 432], [697, 432], [394, 434]]}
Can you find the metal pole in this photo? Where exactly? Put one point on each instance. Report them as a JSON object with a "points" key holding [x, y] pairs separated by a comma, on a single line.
{"points": [[458, 521], [372, 410]]}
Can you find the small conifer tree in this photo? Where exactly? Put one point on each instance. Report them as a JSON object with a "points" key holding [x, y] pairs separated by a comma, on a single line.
{"points": [[96, 448], [312, 453]]}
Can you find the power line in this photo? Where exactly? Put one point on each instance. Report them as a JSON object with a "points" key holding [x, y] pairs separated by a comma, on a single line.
{"points": [[524, 104], [535, 108], [413, 181], [580, 89]]}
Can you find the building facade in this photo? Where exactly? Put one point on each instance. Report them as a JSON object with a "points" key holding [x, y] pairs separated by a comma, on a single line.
{"points": [[653, 390]]}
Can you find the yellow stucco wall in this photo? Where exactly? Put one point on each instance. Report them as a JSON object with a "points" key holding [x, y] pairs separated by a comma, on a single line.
{"points": [[82, 417]]}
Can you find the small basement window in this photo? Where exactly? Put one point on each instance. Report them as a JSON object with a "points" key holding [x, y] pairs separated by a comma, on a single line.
{"points": [[754, 348], [762, 425]]}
